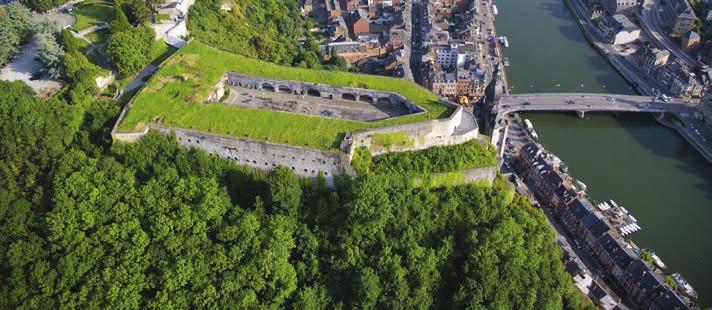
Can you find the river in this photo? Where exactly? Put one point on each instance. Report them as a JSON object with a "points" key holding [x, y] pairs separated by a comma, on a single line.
{"points": [[646, 167]]}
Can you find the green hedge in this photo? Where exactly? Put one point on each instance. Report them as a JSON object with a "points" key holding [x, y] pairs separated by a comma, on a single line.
{"points": [[437, 159]]}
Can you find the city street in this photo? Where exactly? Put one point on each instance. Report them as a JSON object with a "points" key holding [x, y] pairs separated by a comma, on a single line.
{"points": [[652, 26]]}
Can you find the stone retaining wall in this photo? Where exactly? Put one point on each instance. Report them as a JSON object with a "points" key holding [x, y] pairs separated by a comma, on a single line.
{"points": [[263, 155], [318, 90], [460, 127], [424, 135]]}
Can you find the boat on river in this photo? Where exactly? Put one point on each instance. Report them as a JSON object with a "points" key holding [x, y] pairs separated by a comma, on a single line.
{"points": [[504, 41], [686, 287]]}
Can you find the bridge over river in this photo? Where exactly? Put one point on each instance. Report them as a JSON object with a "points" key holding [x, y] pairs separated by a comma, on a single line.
{"points": [[683, 111], [589, 102]]}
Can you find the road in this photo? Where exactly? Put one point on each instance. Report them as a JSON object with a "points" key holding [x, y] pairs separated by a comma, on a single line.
{"points": [[407, 46], [589, 102], [695, 131], [416, 43], [652, 26], [629, 70]]}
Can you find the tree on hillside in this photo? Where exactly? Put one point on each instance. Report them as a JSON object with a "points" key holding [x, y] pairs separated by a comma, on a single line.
{"points": [[138, 12], [43, 5], [15, 29], [155, 225], [49, 52], [119, 21], [68, 41], [130, 50], [285, 192]]}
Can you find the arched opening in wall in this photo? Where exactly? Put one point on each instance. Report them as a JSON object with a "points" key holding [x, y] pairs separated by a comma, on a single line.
{"points": [[285, 89], [313, 92], [384, 101], [347, 96], [267, 86], [366, 98]]}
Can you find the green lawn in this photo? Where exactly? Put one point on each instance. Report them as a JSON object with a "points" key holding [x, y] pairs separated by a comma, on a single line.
{"points": [[98, 36], [90, 13], [161, 51], [176, 93]]}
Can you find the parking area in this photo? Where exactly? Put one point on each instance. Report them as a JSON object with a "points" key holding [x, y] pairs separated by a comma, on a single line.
{"points": [[25, 68], [336, 108]]}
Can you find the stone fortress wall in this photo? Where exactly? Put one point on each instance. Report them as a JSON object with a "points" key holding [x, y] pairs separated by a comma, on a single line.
{"points": [[263, 155], [459, 127], [314, 90]]}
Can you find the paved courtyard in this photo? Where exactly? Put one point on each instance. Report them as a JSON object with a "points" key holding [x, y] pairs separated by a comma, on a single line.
{"points": [[337, 108], [24, 66]]}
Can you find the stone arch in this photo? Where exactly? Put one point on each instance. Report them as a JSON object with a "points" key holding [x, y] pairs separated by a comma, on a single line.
{"points": [[384, 101], [285, 89], [268, 86], [313, 92], [348, 96], [366, 98]]}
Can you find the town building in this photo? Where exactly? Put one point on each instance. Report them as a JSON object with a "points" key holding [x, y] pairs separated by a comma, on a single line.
{"points": [[679, 16], [445, 84], [622, 30], [548, 183], [454, 55], [651, 59], [644, 287], [618, 6], [596, 10], [705, 108], [690, 41], [680, 80], [464, 82]]}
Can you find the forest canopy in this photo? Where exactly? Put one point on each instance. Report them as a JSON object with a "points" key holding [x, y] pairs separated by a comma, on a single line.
{"points": [[153, 225]]}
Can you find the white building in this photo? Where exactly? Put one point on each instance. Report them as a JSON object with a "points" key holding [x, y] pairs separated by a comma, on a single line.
{"points": [[623, 31], [454, 55]]}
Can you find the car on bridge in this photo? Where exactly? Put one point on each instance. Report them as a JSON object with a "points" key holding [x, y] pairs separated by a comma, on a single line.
{"points": [[570, 101], [526, 103]]}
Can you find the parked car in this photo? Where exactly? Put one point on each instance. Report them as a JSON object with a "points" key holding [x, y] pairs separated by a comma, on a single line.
{"points": [[36, 76]]}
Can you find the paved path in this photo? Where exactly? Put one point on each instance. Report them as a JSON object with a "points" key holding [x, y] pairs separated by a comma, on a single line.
{"points": [[91, 29], [139, 80], [62, 20], [24, 66]]}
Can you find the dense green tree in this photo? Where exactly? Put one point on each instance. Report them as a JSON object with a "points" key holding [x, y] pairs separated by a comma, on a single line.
{"points": [[68, 41], [49, 52], [284, 191], [130, 50], [43, 5], [15, 29], [119, 21], [138, 11], [267, 29]]}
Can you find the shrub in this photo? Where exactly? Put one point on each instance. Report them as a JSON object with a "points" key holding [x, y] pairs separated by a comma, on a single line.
{"points": [[361, 160], [436, 159]]}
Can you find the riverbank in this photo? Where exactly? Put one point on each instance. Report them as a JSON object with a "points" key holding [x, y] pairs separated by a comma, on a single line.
{"points": [[607, 55], [630, 157], [632, 78]]}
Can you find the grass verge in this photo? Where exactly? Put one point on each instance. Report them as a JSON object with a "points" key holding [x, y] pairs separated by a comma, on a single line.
{"points": [[91, 13]]}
